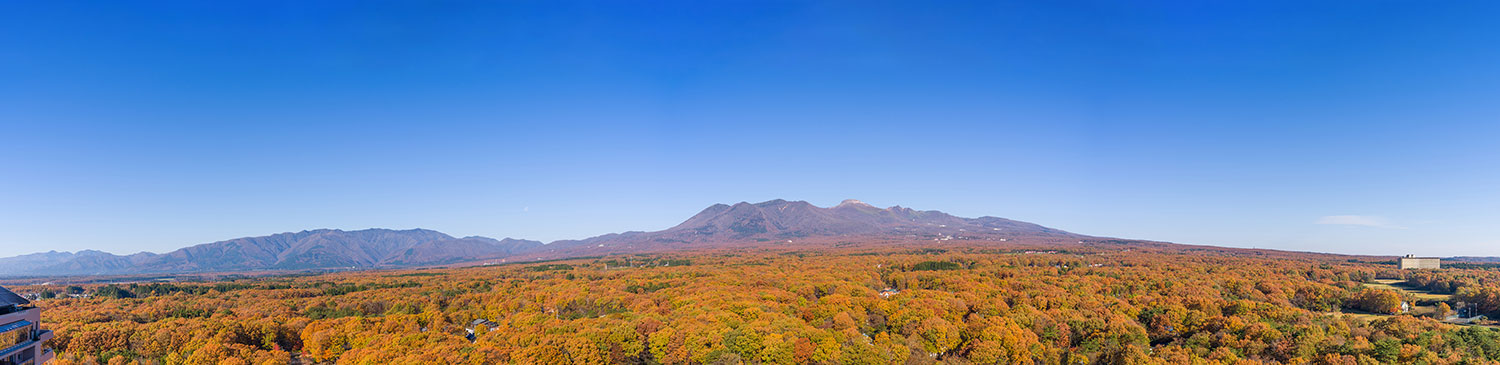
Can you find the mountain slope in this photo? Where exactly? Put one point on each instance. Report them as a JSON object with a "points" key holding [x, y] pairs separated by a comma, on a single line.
{"points": [[787, 219], [462, 249], [315, 249], [775, 220], [82, 262], [783, 220]]}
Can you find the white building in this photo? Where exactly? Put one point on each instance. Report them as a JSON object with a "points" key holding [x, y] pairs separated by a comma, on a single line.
{"points": [[1413, 262]]}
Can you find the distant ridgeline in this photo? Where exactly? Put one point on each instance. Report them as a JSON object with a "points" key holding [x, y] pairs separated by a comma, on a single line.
{"points": [[776, 222]]}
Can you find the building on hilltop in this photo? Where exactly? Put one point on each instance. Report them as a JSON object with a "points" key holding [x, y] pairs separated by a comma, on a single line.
{"points": [[21, 336], [1413, 262]]}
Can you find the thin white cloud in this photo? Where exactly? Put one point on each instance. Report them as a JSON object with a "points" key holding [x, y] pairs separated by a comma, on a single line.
{"points": [[1359, 220]]}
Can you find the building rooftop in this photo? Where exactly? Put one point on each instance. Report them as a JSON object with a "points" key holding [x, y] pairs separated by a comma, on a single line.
{"points": [[9, 298]]}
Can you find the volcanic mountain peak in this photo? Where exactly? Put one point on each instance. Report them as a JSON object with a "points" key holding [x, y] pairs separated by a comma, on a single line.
{"points": [[853, 203], [778, 219]]}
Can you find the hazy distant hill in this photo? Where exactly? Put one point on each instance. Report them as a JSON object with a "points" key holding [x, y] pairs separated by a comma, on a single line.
{"points": [[775, 220], [323, 248], [38, 261], [1475, 259]]}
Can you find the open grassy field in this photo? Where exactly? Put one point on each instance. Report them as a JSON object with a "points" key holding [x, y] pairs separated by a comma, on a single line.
{"points": [[1396, 284], [1360, 316]]}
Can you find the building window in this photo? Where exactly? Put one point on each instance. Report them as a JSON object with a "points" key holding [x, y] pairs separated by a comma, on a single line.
{"points": [[15, 333], [23, 358]]}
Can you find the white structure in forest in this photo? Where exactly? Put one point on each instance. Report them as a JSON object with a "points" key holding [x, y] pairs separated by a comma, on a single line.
{"points": [[1413, 262]]}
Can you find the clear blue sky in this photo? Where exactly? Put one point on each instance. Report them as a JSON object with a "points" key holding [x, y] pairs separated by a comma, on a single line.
{"points": [[1341, 126]]}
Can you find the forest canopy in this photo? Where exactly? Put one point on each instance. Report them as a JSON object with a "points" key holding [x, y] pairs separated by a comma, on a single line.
{"points": [[761, 306]]}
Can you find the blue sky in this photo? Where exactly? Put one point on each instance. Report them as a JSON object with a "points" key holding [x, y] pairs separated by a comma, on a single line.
{"points": [[1341, 126]]}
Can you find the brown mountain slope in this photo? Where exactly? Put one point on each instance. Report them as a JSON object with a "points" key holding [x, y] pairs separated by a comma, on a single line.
{"points": [[781, 220]]}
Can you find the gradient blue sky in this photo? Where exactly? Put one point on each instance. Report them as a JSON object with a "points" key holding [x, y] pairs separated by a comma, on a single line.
{"points": [[1341, 126]]}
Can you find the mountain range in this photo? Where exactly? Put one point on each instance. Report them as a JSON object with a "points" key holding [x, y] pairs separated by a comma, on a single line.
{"points": [[720, 224]]}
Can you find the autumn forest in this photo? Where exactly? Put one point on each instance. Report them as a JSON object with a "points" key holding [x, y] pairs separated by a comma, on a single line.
{"points": [[977, 303]]}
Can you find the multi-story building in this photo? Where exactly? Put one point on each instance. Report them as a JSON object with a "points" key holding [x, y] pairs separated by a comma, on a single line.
{"points": [[1414, 262], [21, 335]]}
